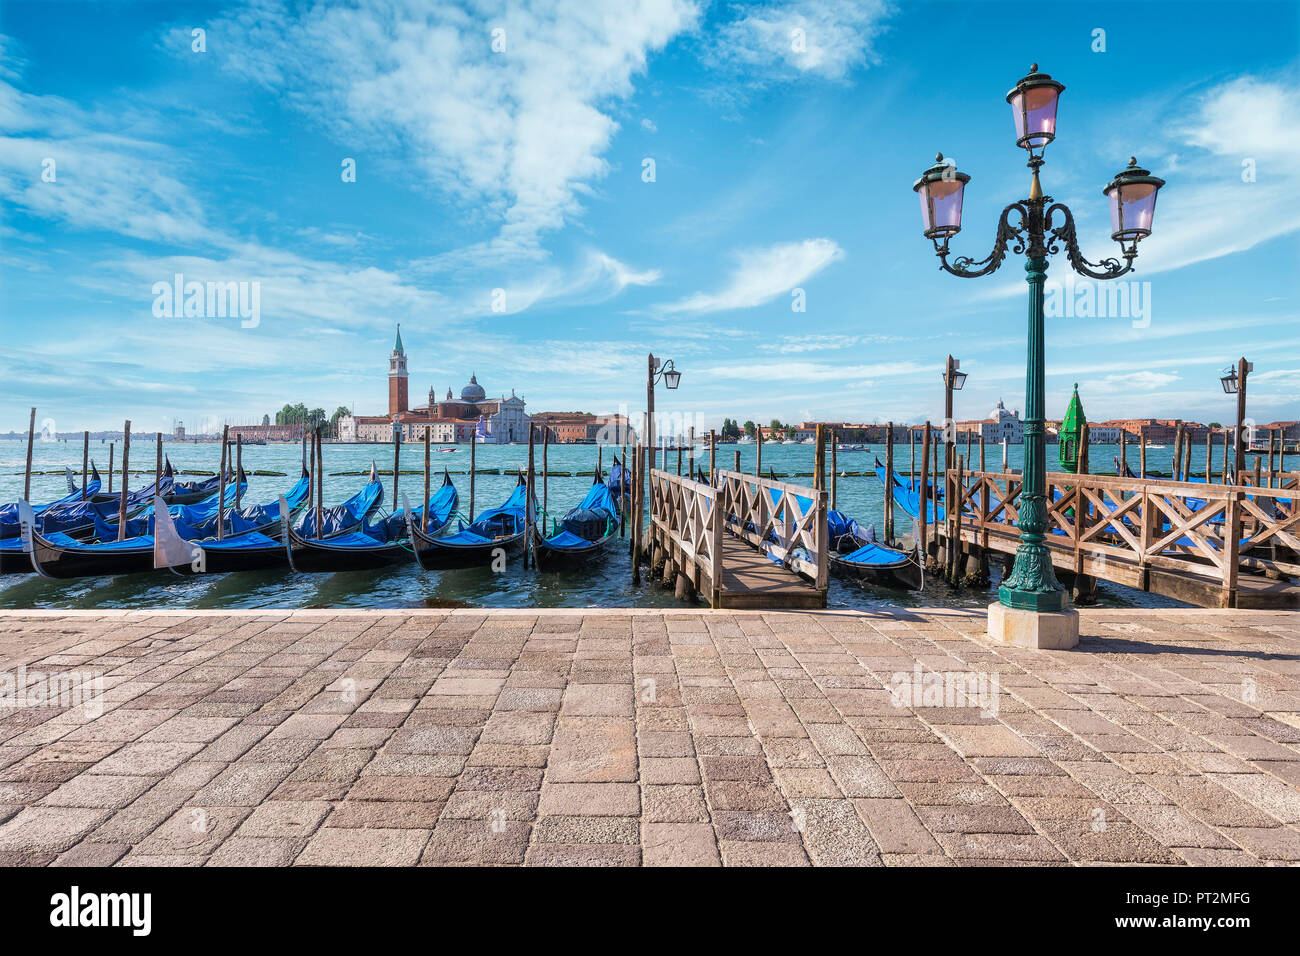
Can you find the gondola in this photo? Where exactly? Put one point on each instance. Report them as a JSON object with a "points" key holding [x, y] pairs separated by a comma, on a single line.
{"points": [[9, 513], [856, 554], [583, 533], [367, 546], [189, 492], [254, 542], [498, 532], [201, 515], [58, 555], [77, 519], [13, 559]]}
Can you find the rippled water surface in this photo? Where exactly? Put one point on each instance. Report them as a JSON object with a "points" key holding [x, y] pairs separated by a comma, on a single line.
{"points": [[607, 583]]}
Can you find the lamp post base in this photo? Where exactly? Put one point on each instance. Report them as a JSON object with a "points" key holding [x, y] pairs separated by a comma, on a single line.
{"points": [[1043, 630]]}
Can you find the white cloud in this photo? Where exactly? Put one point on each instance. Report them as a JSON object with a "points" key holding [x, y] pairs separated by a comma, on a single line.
{"points": [[1248, 117], [649, 126], [794, 344], [58, 162], [521, 131], [763, 274], [826, 38], [595, 278]]}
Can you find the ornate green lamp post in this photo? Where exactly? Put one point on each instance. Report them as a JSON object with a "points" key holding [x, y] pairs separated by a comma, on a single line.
{"points": [[1036, 227]]}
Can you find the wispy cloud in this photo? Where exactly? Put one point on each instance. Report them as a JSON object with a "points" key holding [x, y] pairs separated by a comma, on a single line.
{"points": [[763, 274], [505, 106], [780, 41]]}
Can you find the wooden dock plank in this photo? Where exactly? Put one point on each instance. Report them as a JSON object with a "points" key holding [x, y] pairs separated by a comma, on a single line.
{"points": [[751, 580]]}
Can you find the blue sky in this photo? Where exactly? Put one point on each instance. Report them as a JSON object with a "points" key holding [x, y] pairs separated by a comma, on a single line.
{"points": [[778, 166]]}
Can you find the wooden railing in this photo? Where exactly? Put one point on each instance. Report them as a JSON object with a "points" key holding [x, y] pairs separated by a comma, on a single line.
{"points": [[684, 514], [786, 521], [1208, 530]]}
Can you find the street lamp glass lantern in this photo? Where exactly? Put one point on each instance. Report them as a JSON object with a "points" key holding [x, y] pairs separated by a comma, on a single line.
{"points": [[1033, 105], [940, 190], [672, 378], [958, 380], [1229, 382], [1132, 195]]}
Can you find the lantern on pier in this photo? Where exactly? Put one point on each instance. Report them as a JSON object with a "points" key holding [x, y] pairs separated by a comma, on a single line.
{"points": [[1071, 434]]}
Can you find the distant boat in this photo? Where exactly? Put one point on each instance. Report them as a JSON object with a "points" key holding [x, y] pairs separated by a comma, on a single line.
{"points": [[745, 440]]}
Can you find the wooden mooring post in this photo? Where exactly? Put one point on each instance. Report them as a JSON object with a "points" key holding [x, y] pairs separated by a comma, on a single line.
{"points": [[923, 493], [758, 452], [126, 458], [529, 499], [319, 445], [834, 469], [222, 468], [546, 473], [424, 507], [1142, 453], [473, 448], [239, 471], [85, 462], [110, 467], [889, 484]]}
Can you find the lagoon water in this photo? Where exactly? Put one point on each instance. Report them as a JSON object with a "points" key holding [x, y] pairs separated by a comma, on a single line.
{"points": [[604, 584]]}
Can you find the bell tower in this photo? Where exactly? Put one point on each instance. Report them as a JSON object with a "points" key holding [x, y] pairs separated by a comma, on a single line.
{"points": [[397, 378]]}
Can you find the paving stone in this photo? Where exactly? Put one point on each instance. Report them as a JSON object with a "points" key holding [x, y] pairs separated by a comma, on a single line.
{"points": [[48, 829], [350, 847], [514, 738], [590, 799], [679, 844]]}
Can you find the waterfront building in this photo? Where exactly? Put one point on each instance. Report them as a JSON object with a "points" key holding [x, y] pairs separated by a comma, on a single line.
{"points": [[586, 428], [1000, 425], [1158, 430]]}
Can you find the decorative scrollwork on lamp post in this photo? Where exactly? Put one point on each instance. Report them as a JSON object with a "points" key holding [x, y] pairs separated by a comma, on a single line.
{"points": [[1029, 227]]}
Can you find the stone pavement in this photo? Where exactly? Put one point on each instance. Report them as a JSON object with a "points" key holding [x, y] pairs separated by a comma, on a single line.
{"points": [[639, 737]]}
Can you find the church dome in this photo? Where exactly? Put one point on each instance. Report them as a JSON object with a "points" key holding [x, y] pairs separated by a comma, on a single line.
{"points": [[473, 392]]}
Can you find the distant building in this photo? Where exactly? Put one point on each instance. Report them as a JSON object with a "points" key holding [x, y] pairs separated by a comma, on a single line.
{"points": [[586, 428], [496, 420], [1000, 425], [1158, 430], [179, 434], [860, 433], [267, 432]]}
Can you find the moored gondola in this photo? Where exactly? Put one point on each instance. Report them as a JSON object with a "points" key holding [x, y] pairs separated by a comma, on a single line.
{"points": [[253, 543], [368, 546], [58, 555], [582, 534], [13, 559], [856, 554], [496, 534]]}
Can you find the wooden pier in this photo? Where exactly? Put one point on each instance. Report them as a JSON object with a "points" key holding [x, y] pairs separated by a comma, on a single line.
{"points": [[1213, 545], [740, 541]]}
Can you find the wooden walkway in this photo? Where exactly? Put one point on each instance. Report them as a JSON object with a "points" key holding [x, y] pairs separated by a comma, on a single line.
{"points": [[744, 543], [1212, 545]]}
